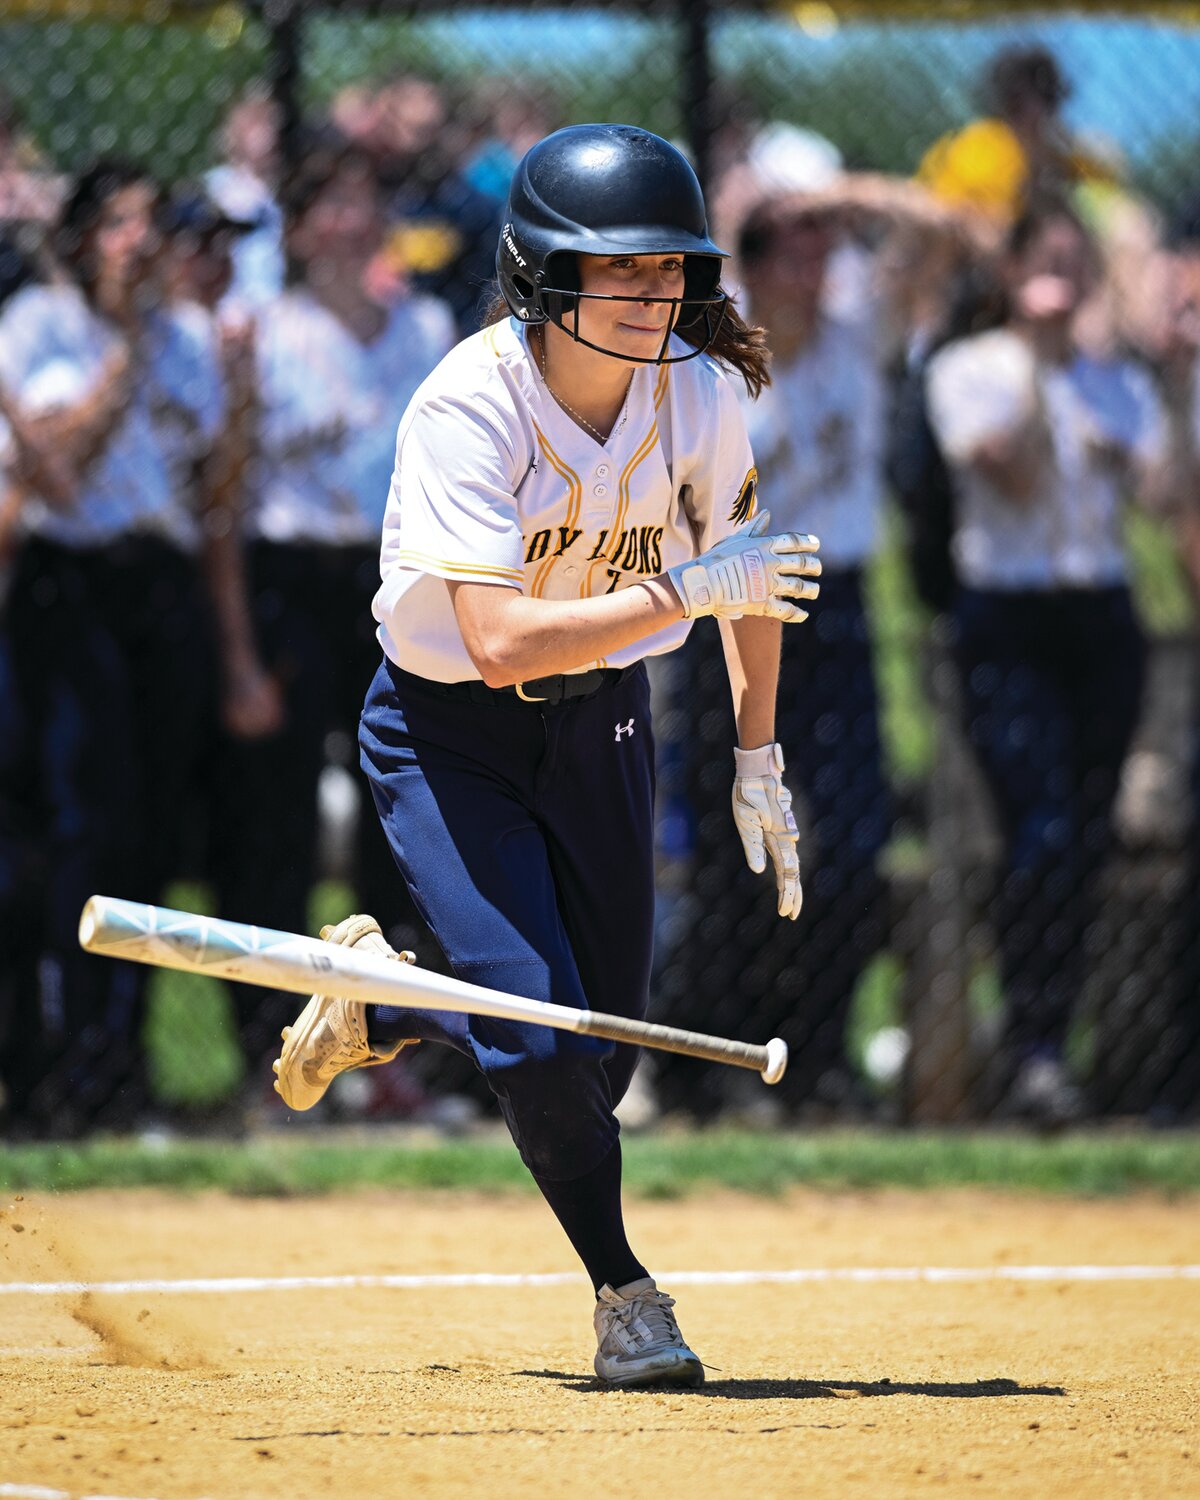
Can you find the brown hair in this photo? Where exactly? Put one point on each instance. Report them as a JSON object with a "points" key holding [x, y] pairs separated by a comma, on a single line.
{"points": [[738, 346]]}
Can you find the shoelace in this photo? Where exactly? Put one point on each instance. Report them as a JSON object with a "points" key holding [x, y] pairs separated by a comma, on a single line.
{"points": [[654, 1310]]}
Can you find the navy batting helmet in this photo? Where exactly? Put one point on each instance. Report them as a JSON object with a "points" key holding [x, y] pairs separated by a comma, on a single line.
{"points": [[607, 190]]}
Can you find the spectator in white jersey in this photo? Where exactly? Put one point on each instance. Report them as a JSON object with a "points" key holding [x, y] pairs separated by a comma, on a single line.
{"points": [[121, 409], [1045, 444], [333, 368], [245, 186]]}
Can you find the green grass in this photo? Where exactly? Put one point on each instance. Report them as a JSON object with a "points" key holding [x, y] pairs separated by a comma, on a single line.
{"points": [[665, 1165], [190, 1036]]}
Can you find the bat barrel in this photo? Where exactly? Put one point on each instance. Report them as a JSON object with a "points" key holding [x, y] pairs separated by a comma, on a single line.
{"points": [[287, 961]]}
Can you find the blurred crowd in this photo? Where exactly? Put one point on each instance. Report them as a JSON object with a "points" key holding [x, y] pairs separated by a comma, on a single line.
{"points": [[199, 389]]}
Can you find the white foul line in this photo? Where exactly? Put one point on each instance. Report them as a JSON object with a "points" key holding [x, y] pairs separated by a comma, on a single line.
{"points": [[859, 1274], [40, 1492]]}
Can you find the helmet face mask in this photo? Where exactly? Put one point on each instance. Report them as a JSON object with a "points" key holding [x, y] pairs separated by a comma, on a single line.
{"points": [[607, 190], [561, 306]]}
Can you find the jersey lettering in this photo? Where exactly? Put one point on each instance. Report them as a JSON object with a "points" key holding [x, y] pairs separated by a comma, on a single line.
{"points": [[566, 539], [638, 550], [615, 576], [539, 546], [644, 535], [599, 547]]}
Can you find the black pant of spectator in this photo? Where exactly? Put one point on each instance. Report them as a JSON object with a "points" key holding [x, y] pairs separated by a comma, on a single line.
{"points": [[1052, 685], [742, 970], [1177, 1094], [111, 651], [312, 611], [21, 1062]]}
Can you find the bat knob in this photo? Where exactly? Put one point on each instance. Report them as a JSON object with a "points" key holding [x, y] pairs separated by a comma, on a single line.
{"points": [[777, 1060]]}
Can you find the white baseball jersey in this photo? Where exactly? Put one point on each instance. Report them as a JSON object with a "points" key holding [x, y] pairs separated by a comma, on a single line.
{"points": [[495, 483], [328, 401], [259, 264], [53, 351], [1069, 532], [817, 435]]}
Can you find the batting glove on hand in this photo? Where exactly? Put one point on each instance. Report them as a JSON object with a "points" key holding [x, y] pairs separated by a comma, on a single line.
{"points": [[762, 810], [750, 573]]}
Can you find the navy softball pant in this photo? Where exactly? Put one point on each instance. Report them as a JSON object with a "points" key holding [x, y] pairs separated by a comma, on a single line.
{"points": [[524, 832]]}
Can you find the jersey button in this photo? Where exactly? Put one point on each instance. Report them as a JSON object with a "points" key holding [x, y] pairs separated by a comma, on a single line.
{"points": [[571, 571], [602, 470], [600, 489]]}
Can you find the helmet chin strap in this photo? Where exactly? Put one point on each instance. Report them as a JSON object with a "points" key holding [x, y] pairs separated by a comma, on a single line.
{"points": [[711, 305]]}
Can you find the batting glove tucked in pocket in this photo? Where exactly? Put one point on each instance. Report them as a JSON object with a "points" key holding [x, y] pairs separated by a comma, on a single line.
{"points": [[750, 573], [762, 810]]}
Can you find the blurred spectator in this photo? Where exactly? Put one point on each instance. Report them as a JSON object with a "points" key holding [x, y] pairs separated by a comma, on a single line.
{"points": [[203, 240], [761, 162], [817, 433], [441, 230], [18, 956], [1177, 1076], [244, 186], [1044, 442], [509, 117], [29, 202], [333, 370], [120, 407], [1020, 150]]}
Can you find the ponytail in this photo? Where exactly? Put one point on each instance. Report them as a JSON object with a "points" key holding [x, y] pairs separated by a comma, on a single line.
{"points": [[738, 346]]}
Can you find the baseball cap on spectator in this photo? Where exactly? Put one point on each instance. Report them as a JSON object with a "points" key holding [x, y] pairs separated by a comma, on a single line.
{"points": [[786, 159], [196, 214]]}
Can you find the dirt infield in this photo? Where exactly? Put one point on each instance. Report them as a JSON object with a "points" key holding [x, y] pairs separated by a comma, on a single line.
{"points": [[841, 1388]]}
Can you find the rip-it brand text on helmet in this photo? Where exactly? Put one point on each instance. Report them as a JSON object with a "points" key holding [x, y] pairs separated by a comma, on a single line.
{"points": [[607, 190]]}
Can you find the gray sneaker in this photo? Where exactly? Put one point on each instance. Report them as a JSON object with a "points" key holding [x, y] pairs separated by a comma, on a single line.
{"points": [[639, 1340], [330, 1034]]}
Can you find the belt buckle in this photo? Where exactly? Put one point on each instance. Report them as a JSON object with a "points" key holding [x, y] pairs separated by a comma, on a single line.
{"points": [[519, 688]]}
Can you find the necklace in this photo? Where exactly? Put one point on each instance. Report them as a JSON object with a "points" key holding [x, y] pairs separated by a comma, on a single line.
{"points": [[600, 437]]}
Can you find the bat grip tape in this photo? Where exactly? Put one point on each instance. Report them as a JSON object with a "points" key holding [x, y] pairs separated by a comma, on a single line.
{"points": [[672, 1039]]}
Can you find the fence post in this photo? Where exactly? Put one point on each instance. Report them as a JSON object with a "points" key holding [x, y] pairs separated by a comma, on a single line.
{"points": [[284, 22], [939, 1072], [695, 17]]}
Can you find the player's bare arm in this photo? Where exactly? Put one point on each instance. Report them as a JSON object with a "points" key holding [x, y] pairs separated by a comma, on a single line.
{"points": [[512, 638]]}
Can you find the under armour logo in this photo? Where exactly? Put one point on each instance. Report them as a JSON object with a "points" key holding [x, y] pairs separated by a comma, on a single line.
{"points": [[623, 729]]}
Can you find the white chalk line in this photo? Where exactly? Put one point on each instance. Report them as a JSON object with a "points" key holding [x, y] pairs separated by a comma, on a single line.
{"points": [[41, 1492], [857, 1274]]}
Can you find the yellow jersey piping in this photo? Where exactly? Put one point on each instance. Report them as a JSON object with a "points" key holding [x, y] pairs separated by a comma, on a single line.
{"points": [[644, 449], [484, 569], [574, 501]]}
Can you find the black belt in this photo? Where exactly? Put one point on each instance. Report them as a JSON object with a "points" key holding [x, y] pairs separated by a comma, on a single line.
{"points": [[555, 689]]}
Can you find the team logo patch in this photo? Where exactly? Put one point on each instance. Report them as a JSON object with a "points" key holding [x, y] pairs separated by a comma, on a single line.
{"points": [[744, 505]]}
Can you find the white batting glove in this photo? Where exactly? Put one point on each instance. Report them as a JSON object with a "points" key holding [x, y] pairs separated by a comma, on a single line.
{"points": [[750, 573], [762, 810]]}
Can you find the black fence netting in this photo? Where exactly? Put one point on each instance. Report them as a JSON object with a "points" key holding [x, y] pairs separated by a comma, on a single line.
{"points": [[233, 242]]}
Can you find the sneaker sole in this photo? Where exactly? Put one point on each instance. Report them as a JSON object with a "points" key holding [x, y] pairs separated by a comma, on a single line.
{"points": [[687, 1373], [295, 1037]]}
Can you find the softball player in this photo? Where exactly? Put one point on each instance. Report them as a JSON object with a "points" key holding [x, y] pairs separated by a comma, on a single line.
{"points": [[570, 491]]}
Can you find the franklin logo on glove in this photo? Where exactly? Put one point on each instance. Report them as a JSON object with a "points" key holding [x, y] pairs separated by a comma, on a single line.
{"points": [[750, 573]]}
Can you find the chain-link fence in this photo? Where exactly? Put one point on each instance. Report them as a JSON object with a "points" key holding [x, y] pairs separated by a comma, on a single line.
{"points": [[233, 241]]}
